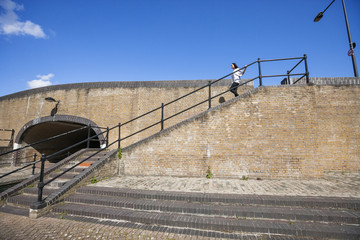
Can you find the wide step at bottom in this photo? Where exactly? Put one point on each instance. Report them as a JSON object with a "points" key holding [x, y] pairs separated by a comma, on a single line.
{"points": [[287, 217]]}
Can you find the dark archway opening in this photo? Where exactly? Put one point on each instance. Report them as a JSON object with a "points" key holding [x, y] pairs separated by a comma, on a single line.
{"points": [[46, 130]]}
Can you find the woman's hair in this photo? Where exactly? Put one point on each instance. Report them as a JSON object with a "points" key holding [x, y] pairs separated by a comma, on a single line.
{"points": [[235, 65]]}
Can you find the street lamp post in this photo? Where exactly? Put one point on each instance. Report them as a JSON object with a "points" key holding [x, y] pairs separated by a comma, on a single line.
{"points": [[352, 45]]}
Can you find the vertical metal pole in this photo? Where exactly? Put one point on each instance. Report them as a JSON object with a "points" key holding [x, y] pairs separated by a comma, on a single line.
{"points": [[306, 70], [209, 94], [356, 73], [288, 77], [162, 116], [88, 137], [107, 137], [119, 136], [260, 76], [41, 181], [33, 167]]}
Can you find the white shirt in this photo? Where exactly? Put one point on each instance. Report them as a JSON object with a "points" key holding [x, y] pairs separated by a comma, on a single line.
{"points": [[237, 74]]}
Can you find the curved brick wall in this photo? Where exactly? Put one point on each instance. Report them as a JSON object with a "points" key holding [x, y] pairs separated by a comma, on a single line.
{"points": [[107, 104]]}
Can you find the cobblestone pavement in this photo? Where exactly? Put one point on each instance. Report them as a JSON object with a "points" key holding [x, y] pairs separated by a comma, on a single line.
{"points": [[20, 227], [333, 185], [13, 227]]}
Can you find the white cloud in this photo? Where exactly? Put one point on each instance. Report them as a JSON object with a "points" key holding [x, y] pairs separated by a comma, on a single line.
{"points": [[41, 81], [11, 25]]}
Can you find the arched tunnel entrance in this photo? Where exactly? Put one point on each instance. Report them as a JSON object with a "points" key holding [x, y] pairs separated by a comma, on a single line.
{"points": [[46, 127]]}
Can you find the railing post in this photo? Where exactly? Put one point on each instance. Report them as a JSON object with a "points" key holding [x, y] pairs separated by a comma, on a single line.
{"points": [[119, 139], [306, 70], [107, 137], [209, 94], [288, 78], [260, 76], [41, 181], [162, 116], [33, 167], [88, 137]]}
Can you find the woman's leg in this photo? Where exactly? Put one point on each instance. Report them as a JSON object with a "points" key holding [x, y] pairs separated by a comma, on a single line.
{"points": [[233, 88]]}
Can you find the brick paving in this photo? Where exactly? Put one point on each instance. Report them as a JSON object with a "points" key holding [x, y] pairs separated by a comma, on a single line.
{"points": [[56, 227], [332, 185], [20, 227]]}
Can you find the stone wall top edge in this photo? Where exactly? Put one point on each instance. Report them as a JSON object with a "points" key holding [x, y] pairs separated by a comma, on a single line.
{"points": [[333, 81], [164, 84], [124, 84]]}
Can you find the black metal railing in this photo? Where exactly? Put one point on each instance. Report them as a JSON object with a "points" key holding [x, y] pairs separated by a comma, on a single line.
{"points": [[34, 162], [162, 119]]}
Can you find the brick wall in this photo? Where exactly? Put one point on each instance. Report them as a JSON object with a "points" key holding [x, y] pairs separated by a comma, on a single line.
{"points": [[107, 104], [272, 132]]}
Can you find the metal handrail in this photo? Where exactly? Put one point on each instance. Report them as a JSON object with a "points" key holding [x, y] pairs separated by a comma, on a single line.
{"points": [[23, 167], [52, 155], [43, 140], [302, 75], [163, 119], [42, 184]]}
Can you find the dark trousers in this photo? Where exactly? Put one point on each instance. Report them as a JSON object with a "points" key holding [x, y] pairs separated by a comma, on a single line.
{"points": [[234, 88]]}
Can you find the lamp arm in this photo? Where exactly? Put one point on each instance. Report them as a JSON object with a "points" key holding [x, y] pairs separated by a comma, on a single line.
{"points": [[328, 6]]}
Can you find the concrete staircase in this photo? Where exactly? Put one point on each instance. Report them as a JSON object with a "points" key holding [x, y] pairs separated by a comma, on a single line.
{"points": [[19, 204], [215, 215]]}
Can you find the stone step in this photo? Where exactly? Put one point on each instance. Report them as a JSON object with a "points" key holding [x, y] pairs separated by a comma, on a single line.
{"points": [[77, 169], [233, 211], [229, 225], [233, 199], [21, 211], [22, 200], [68, 175], [34, 191], [28, 196], [57, 183]]}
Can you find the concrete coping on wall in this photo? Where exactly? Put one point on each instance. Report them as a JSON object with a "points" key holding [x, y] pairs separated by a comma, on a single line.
{"points": [[167, 84], [132, 84], [332, 81]]}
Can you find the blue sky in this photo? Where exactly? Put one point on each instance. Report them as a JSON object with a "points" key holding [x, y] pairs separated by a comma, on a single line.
{"points": [[54, 42]]}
